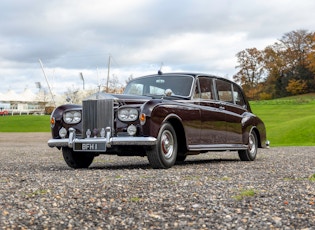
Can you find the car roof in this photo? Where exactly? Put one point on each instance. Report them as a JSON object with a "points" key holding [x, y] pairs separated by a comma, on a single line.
{"points": [[193, 74]]}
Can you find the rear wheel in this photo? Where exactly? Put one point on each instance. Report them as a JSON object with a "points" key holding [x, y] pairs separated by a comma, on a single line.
{"points": [[163, 155], [77, 159], [250, 153]]}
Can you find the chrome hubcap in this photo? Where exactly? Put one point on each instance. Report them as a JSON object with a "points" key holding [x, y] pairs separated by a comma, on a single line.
{"points": [[252, 145], [167, 144]]}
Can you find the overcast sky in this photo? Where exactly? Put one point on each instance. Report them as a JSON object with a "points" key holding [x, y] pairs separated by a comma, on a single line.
{"points": [[73, 36]]}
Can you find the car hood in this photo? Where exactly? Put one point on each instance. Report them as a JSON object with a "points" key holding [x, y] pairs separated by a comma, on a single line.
{"points": [[117, 97]]}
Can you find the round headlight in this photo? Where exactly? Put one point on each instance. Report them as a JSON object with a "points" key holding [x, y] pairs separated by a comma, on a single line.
{"points": [[72, 117], [62, 132], [132, 130], [128, 114]]}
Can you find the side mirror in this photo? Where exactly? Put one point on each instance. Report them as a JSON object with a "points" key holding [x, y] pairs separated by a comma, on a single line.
{"points": [[168, 92]]}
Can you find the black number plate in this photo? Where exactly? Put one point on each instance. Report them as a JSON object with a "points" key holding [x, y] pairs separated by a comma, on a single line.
{"points": [[90, 147]]}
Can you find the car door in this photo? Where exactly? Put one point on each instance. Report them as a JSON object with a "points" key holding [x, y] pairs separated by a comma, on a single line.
{"points": [[230, 110], [212, 122]]}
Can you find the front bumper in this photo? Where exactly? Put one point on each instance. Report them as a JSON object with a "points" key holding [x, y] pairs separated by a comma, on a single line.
{"points": [[107, 141], [267, 144]]}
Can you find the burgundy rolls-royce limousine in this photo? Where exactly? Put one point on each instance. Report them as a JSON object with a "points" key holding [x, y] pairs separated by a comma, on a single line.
{"points": [[165, 117]]}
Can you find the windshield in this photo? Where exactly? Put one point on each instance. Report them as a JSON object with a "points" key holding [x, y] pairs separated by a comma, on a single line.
{"points": [[170, 85]]}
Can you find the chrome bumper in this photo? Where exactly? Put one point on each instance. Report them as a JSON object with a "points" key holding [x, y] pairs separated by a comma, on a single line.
{"points": [[108, 141], [267, 144]]}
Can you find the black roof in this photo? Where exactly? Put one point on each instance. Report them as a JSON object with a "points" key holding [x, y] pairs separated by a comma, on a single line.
{"points": [[193, 74]]}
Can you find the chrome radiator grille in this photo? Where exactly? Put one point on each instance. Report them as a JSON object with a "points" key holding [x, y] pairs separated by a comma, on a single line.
{"points": [[97, 114]]}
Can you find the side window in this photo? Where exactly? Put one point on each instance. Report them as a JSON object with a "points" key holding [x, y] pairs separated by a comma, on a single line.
{"points": [[206, 88], [224, 89], [238, 95]]}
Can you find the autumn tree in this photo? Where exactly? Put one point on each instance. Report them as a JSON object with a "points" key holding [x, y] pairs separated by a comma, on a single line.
{"points": [[251, 70], [311, 54], [275, 67], [287, 60], [291, 58], [297, 45], [296, 87]]}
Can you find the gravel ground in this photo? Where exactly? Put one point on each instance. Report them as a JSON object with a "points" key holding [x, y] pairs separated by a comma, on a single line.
{"points": [[209, 191]]}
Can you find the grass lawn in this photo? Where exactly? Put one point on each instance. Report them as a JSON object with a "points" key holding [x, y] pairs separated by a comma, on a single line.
{"points": [[289, 121], [25, 123]]}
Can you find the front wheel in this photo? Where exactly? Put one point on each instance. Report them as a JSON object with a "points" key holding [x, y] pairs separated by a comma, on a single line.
{"points": [[163, 155], [77, 160], [250, 153]]}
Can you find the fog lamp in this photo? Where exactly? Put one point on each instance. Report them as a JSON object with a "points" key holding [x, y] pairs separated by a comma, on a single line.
{"points": [[132, 130], [62, 132]]}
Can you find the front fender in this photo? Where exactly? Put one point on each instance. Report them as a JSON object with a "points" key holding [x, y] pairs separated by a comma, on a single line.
{"points": [[159, 111], [151, 126], [57, 117]]}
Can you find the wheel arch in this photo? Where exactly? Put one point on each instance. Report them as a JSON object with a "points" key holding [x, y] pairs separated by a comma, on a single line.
{"points": [[255, 129], [250, 124], [175, 121]]}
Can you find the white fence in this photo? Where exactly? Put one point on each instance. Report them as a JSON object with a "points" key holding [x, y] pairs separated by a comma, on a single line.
{"points": [[25, 111]]}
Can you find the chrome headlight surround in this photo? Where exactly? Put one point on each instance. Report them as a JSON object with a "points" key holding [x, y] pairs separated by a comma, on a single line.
{"points": [[128, 114], [72, 117]]}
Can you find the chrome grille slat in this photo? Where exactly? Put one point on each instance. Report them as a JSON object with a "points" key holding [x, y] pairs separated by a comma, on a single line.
{"points": [[97, 114]]}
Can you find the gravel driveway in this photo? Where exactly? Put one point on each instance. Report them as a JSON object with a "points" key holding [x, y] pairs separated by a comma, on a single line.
{"points": [[210, 191]]}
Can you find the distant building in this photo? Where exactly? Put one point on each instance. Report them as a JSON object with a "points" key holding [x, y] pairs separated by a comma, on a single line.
{"points": [[24, 103]]}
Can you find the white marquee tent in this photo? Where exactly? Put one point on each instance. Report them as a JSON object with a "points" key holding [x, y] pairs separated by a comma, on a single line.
{"points": [[26, 102]]}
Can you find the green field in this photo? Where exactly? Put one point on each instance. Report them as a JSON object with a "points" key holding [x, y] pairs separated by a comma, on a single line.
{"points": [[289, 121], [25, 123]]}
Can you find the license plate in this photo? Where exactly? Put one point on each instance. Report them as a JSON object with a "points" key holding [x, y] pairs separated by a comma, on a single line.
{"points": [[90, 147]]}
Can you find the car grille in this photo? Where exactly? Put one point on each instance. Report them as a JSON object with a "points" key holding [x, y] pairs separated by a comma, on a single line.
{"points": [[97, 114]]}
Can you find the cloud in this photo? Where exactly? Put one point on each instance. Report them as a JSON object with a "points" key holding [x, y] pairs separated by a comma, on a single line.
{"points": [[76, 36]]}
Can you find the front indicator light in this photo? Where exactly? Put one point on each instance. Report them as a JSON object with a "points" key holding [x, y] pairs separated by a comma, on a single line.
{"points": [[142, 118], [52, 122]]}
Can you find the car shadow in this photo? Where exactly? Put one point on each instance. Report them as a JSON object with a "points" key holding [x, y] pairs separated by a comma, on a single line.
{"points": [[146, 166]]}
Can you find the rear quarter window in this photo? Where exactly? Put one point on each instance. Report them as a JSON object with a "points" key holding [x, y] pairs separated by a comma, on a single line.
{"points": [[224, 90], [238, 95]]}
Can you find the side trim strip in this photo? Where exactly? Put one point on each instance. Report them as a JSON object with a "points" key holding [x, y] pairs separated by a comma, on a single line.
{"points": [[217, 147]]}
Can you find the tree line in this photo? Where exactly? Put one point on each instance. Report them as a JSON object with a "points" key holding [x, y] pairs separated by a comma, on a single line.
{"points": [[282, 69]]}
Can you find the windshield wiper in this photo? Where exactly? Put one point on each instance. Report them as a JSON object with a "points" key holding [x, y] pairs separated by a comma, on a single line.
{"points": [[154, 96], [174, 97]]}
